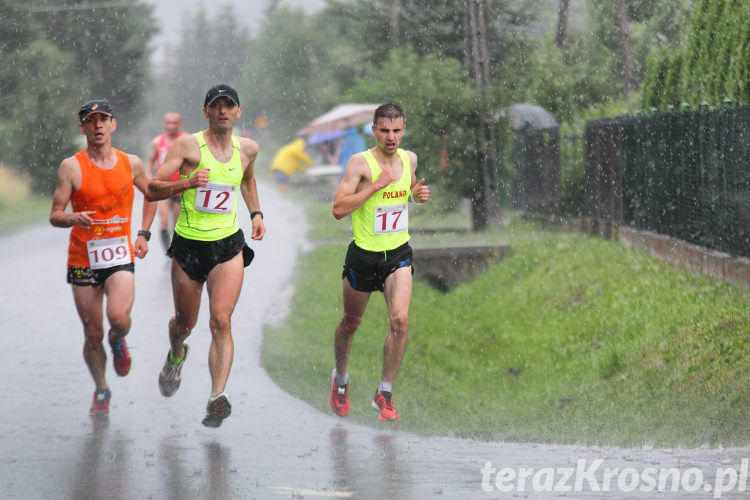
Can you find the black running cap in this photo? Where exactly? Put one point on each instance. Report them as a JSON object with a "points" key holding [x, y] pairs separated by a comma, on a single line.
{"points": [[221, 90]]}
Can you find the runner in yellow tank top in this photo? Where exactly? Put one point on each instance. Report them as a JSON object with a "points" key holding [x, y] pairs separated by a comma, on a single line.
{"points": [[375, 190], [208, 246]]}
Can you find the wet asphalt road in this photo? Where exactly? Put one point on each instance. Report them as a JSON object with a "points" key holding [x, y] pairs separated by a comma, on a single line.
{"points": [[273, 445]]}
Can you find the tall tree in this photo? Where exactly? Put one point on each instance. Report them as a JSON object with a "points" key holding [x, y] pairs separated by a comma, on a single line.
{"points": [[562, 23], [626, 53], [295, 71], [210, 50], [430, 26], [713, 64], [109, 43], [39, 97], [442, 110], [485, 201]]}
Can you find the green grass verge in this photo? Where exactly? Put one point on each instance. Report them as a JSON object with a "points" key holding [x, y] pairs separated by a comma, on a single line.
{"points": [[31, 210], [571, 339]]}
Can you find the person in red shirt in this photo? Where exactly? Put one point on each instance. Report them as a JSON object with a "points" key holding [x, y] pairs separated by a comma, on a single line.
{"points": [[98, 183], [168, 209]]}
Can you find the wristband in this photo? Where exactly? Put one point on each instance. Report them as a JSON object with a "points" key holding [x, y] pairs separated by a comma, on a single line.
{"points": [[411, 197], [145, 234], [257, 212]]}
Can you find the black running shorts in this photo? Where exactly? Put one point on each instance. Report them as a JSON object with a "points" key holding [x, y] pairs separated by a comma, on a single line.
{"points": [[367, 271], [198, 258], [85, 276]]}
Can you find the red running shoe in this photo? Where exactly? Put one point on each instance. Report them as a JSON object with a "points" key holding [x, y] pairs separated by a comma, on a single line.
{"points": [[100, 405], [384, 404], [339, 398], [217, 410], [121, 356]]}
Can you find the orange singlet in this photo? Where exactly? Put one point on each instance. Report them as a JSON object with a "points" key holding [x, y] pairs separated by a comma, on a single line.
{"points": [[110, 194]]}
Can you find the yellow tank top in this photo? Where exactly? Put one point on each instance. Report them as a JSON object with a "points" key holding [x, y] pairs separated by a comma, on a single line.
{"points": [[210, 213], [382, 223]]}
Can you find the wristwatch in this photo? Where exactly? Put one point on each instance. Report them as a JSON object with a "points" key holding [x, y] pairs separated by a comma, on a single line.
{"points": [[145, 234], [257, 212]]}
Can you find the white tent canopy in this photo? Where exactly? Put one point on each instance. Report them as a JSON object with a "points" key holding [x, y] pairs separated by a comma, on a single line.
{"points": [[341, 117]]}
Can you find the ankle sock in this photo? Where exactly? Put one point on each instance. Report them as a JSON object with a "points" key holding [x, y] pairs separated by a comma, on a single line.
{"points": [[385, 387], [341, 379], [173, 360]]}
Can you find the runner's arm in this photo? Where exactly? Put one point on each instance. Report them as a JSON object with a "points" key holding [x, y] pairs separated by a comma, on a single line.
{"points": [[160, 188], [303, 158], [347, 199], [420, 193], [64, 190], [249, 188], [141, 181], [152, 159]]}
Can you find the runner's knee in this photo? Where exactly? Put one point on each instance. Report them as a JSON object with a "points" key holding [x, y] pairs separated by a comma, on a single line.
{"points": [[220, 323], [350, 323], [399, 323], [120, 322], [94, 334], [178, 326]]}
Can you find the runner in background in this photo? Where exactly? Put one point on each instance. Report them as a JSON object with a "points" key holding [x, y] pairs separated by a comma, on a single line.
{"points": [[168, 209], [98, 183], [287, 160]]}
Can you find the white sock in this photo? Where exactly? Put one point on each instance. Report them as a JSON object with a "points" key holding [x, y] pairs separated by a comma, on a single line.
{"points": [[340, 379], [385, 387]]}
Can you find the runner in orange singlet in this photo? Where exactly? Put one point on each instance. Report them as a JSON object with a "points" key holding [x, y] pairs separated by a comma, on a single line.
{"points": [[98, 183], [159, 147]]}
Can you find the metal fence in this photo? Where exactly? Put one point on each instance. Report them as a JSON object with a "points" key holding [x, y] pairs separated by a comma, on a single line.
{"points": [[684, 174]]}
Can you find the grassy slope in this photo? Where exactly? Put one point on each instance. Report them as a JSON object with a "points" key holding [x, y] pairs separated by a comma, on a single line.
{"points": [[18, 206], [570, 339], [31, 211]]}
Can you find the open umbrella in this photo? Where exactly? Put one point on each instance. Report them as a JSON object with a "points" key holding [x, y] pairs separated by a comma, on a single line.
{"points": [[341, 117], [320, 137]]}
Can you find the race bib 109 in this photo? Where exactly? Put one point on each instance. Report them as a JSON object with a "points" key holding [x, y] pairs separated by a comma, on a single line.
{"points": [[108, 252]]}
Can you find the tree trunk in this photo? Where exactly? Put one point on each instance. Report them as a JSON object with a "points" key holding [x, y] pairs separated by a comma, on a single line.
{"points": [[394, 25], [485, 200], [562, 23], [626, 55]]}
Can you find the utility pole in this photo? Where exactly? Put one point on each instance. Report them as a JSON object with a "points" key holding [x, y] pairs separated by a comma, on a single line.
{"points": [[485, 201]]}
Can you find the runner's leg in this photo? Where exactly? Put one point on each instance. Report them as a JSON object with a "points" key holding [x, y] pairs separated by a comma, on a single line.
{"points": [[187, 302], [355, 303], [397, 293], [223, 285], [88, 300], [164, 208], [120, 291]]}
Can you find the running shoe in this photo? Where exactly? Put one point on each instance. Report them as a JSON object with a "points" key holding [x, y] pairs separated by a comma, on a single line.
{"points": [[339, 397], [121, 356], [217, 409], [100, 405], [383, 403], [169, 377]]}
